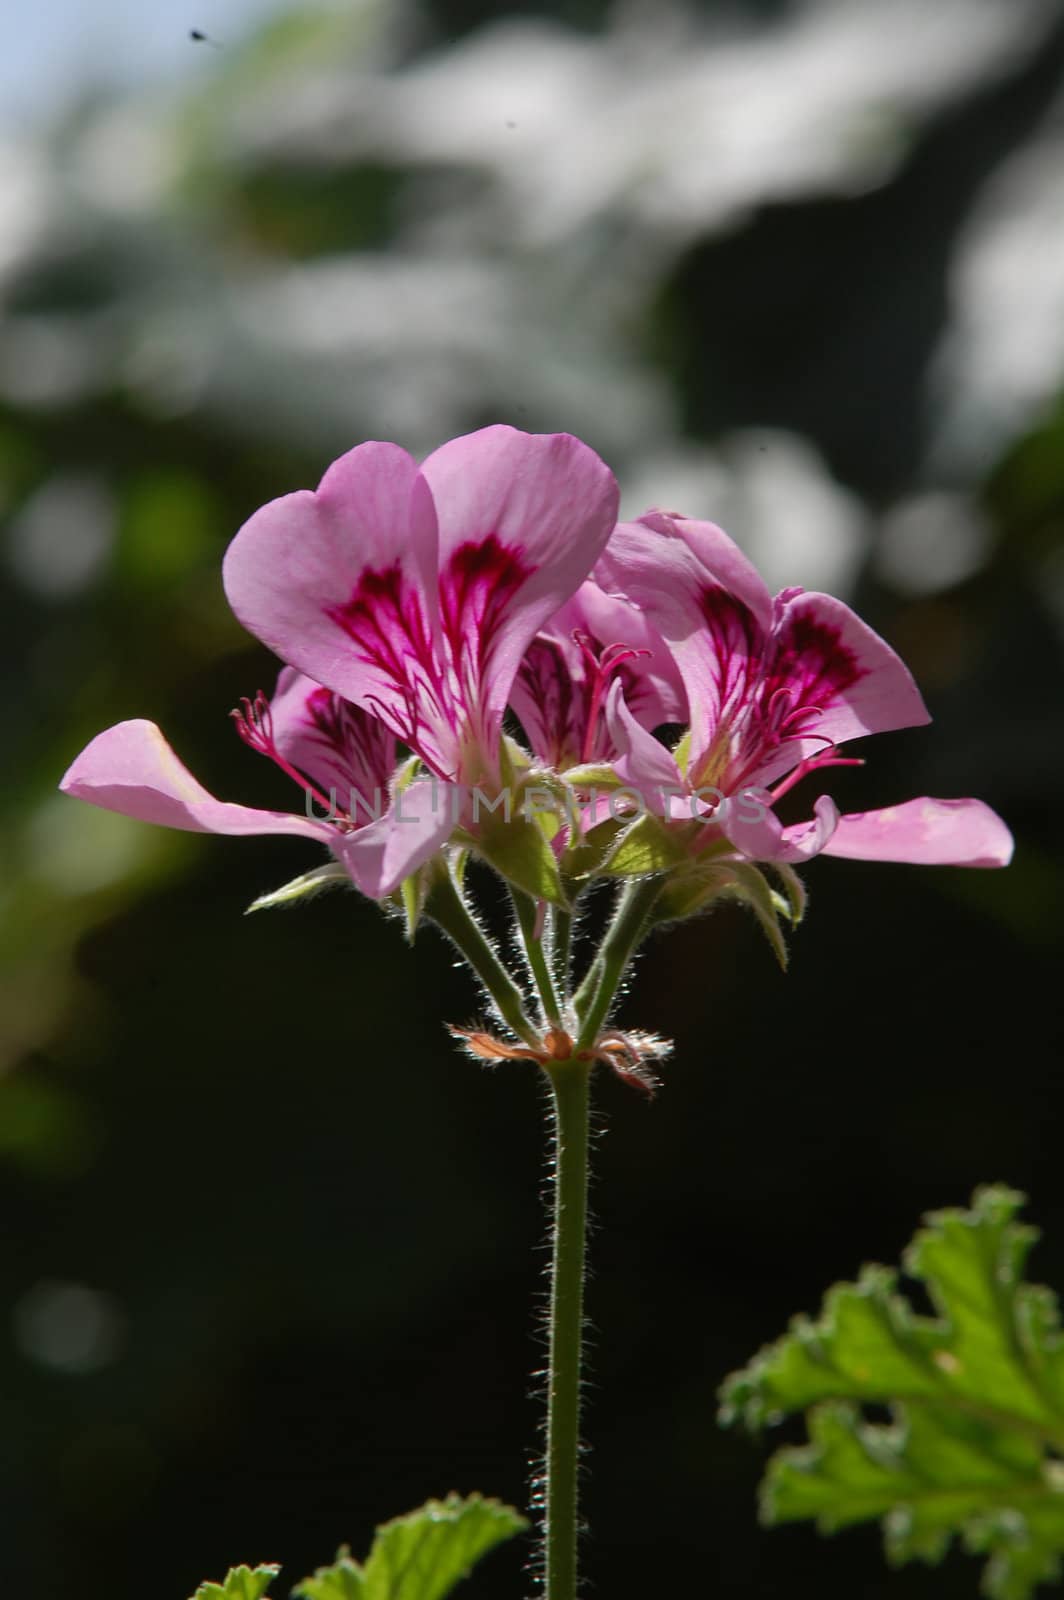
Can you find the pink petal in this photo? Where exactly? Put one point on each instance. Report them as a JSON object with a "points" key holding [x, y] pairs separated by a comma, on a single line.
{"points": [[522, 519], [553, 691], [824, 660], [337, 581], [653, 687], [663, 562], [707, 600], [644, 763], [131, 769], [762, 837], [344, 749], [926, 832], [419, 822]]}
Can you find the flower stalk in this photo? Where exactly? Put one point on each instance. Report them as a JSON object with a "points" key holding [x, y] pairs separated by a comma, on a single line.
{"points": [[570, 1089], [598, 991], [448, 909]]}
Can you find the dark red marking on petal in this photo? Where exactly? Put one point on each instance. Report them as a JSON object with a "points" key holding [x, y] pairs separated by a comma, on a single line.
{"points": [[738, 646], [811, 661], [568, 693], [430, 690], [386, 621], [558, 702], [351, 744], [476, 590], [771, 688]]}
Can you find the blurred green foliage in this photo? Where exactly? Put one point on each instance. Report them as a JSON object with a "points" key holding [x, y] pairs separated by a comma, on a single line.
{"points": [[270, 1243]]}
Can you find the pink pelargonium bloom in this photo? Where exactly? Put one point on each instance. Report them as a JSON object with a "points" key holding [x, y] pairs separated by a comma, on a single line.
{"points": [[593, 641], [342, 757], [775, 685], [415, 592]]}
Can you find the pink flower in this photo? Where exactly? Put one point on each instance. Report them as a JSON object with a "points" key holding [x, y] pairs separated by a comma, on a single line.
{"points": [[774, 686], [404, 600], [560, 691], [342, 758], [415, 592]]}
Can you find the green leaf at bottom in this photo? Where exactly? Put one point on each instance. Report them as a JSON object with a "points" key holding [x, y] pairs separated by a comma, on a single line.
{"points": [[420, 1556], [241, 1583], [976, 1396]]}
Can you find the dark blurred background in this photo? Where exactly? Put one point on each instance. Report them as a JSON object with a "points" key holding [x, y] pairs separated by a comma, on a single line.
{"points": [[270, 1246]]}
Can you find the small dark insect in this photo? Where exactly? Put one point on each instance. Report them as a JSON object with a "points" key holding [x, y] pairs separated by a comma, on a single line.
{"points": [[198, 36]]}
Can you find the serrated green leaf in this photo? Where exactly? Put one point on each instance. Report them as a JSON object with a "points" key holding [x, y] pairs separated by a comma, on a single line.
{"points": [[240, 1583], [331, 876], [421, 1556], [344, 1580], [976, 1395]]}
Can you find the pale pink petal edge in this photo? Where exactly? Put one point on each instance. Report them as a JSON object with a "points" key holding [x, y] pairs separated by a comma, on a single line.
{"points": [[131, 769], [925, 832]]}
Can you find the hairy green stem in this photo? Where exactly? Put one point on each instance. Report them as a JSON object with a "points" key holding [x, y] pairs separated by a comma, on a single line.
{"points": [[598, 990], [571, 1089], [447, 907], [561, 947], [570, 1086], [532, 941]]}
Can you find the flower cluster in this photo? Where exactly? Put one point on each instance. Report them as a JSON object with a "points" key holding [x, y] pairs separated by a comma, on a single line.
{"points": [[418, 609]]}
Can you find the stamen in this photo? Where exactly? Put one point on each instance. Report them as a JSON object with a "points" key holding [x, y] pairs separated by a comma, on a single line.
{"points": [[601, 667], [254, 724], [813, 764]]}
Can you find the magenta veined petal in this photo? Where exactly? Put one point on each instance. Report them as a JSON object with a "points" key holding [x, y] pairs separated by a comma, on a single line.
{"points": [[706, 599], [824, 658], [131, 769], [347, 752], [522, 520], [591, 642], [925, 832], [336, 581], [770, 682], [414, 594]]}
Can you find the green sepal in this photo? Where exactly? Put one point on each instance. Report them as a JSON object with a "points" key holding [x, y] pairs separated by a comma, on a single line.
{"points": [[645, 846], [421, 1556], [592, 775], [305, 887], [405, 775], [514, 759], [410, 897], [697, 886], [520, 852], [976, 1394], [794, 895], [586, 858], [240, 1583]]}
